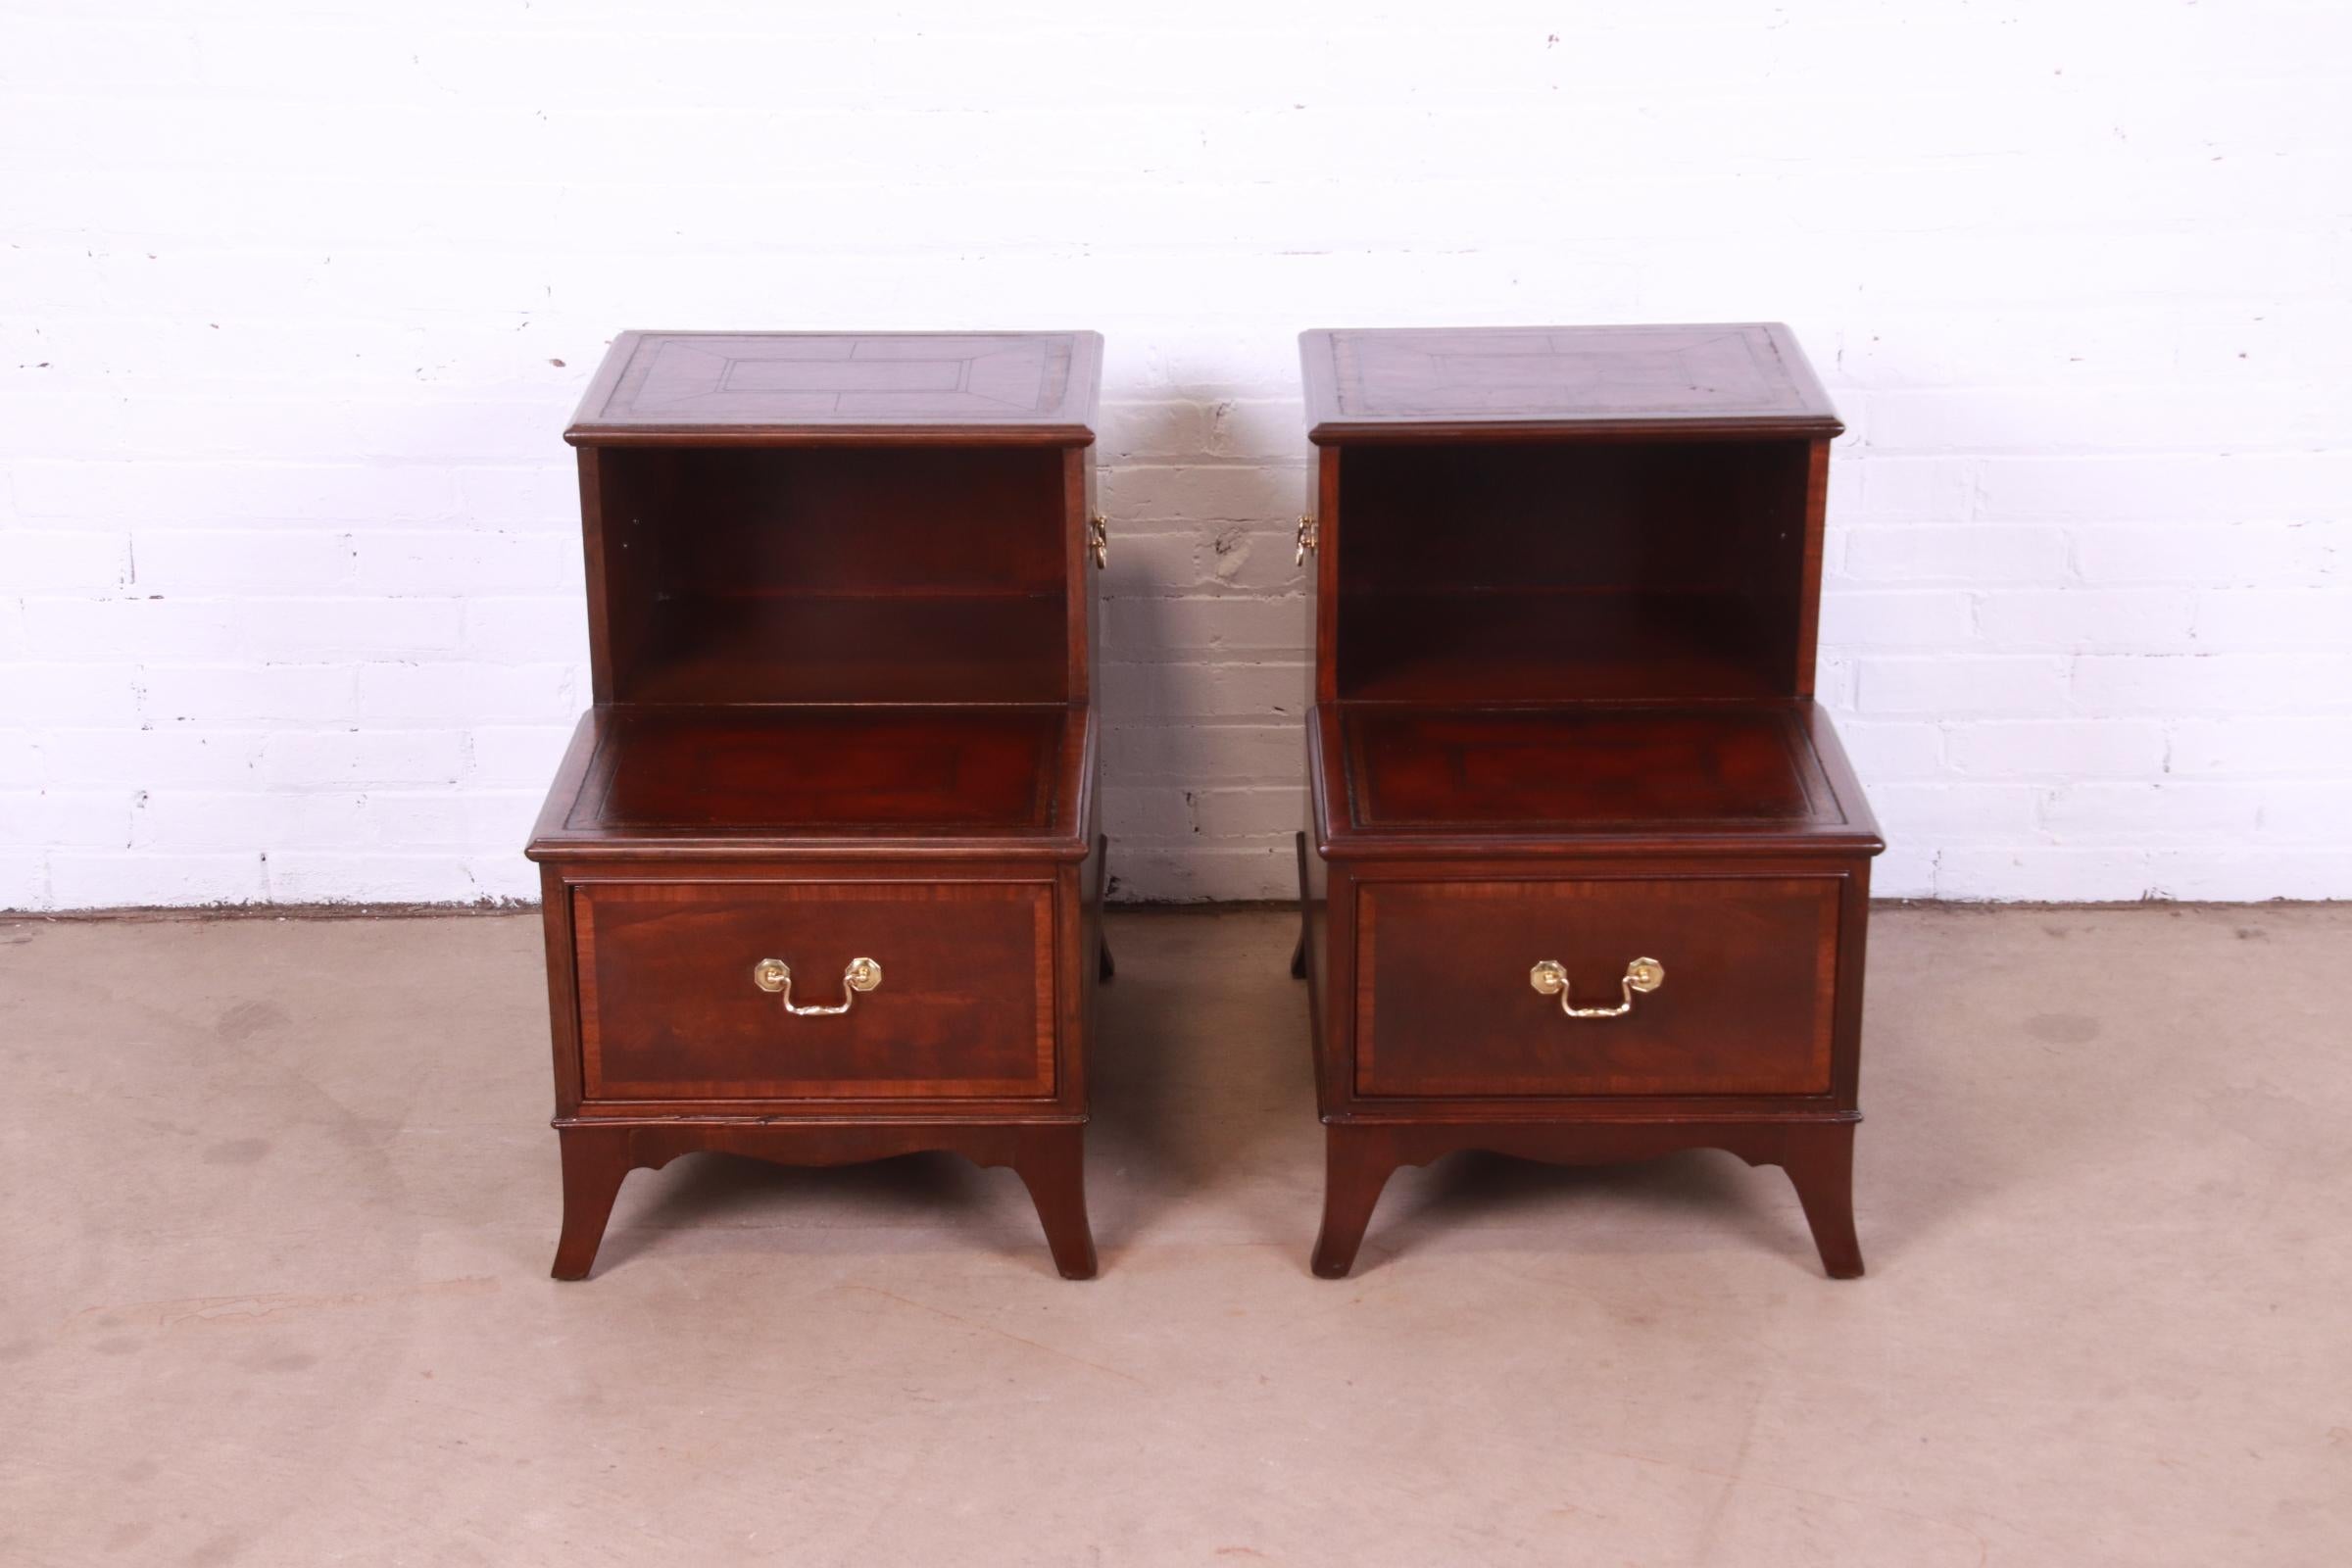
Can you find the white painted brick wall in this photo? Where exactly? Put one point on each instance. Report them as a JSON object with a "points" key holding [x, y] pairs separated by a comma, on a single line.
{"points": [[294, 301]]}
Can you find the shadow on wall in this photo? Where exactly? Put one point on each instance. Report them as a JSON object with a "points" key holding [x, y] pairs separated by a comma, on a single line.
{"points": [[1203, 679]]}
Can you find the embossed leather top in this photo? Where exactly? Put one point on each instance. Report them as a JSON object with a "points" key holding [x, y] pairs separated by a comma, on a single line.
{"points": [[1582, 380], [766, 387]]}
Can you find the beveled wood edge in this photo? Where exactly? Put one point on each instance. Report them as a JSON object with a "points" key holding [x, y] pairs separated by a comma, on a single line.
{"points": [[1335, 840], [1691, 427], [841, 435], [658, 852], [602, 379], [1638, 1111], [1840, 772], [1801, 372], [1070, 836], [1328, 427], [1086, 371], [548, 833], [961, 1117], [1503, 860]]}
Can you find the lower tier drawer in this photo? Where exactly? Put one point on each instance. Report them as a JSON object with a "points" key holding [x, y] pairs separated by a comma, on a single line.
{"points": [[685, 990], [1447, 1005]]}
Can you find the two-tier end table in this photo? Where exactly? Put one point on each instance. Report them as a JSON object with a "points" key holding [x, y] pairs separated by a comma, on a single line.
{"points": [[821, 873], [1588, 874]]}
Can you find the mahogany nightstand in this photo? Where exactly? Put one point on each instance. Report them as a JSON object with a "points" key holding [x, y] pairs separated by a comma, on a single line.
{"points": [[821, 872], [1590, 873]]}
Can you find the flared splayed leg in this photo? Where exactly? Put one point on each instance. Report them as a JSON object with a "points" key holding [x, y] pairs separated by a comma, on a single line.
{"points": [[594, 1167], [1051, 1164], [1357, 1164], [1820, 1161]]}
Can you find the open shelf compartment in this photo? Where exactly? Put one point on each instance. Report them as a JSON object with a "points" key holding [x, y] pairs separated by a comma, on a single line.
{"points": [[1571, 570], [817, 574]]}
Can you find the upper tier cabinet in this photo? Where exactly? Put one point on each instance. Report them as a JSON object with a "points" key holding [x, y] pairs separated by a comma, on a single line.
{"points": [[1605, 514], [856, 519]]}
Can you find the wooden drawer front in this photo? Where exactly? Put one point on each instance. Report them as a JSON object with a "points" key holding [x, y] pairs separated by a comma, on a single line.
{"points": [[668, 1009], [1444, 1007]]}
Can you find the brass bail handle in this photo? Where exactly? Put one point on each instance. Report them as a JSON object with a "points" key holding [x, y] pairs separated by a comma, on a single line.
{"points": [[1642, 974], [1308, 539], [1098, 540], [774, 975]]}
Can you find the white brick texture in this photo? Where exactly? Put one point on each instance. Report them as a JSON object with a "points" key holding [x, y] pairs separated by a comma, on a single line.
{"points": [[294, 302]]}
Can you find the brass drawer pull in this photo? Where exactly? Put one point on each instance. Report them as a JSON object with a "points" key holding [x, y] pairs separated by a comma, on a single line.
{"points": [[774, 975], [1642, 974], [1307, 535], [1098, 540]]}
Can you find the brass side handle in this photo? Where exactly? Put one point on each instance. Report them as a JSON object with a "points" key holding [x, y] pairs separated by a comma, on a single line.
{"points": [[1098, 540], [1642, 974], [1308, 533], [774, 975]]}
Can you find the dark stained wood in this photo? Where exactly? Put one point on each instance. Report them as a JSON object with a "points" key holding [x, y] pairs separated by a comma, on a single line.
{"points": [[1560, 570], [1398, 783], [1805, 527], [1589, 772], [1442, 383], [1357, 1162], [1082, 622], [562, 986], [601, 626], [743, 776], [668, 1009], [839, 574], [1820, 1162], [1514, 645], [1051, 1161], [1319, 960], [1094, 876], [595, 1164], [841, 627], [1815, 1152], [1746, 1008], [771, 388], [626, 559], [1046, 1155], [1328, 522], [771, 770], [795, 648], [1567, 601]]}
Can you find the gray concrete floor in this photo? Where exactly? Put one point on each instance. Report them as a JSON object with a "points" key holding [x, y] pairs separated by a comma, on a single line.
{"points": [[280, 1199]]}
